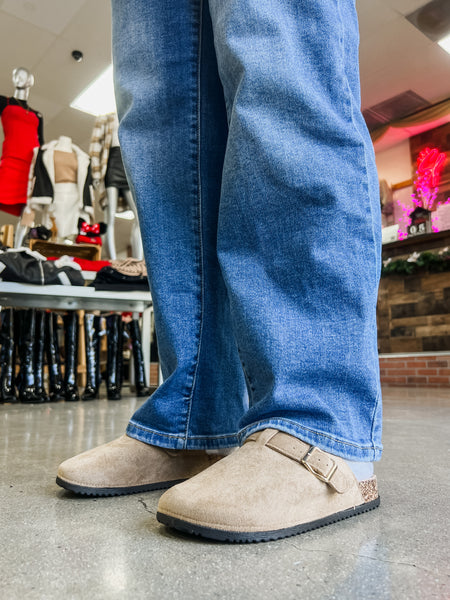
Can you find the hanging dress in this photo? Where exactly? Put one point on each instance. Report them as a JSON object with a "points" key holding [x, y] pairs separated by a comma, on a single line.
{"points": [[20, 126]]}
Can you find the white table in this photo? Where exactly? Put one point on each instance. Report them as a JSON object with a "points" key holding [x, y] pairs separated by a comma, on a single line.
{"points": [[64, 297]]}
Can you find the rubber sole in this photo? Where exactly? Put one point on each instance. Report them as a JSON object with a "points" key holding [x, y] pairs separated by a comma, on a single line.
{"points": [[119, 491], [262, 536]]}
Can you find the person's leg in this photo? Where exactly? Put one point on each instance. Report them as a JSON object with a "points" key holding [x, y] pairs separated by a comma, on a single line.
{"points": [[173, 131], [299, 247], [299, 229]]}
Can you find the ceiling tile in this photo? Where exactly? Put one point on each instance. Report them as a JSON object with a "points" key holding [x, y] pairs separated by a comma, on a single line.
{"points": [[90, 29], [372, 15], [73, 124], [45, 105], [404, 7], [397, 42], [61, 78], [21, 45], [44, 13]]}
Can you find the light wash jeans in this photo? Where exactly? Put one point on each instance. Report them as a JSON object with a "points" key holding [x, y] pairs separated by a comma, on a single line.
{"points": [[257, 192]]}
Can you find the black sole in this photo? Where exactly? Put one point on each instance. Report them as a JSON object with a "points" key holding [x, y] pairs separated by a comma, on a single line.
{"points": [[262, 536], [120, 491]]}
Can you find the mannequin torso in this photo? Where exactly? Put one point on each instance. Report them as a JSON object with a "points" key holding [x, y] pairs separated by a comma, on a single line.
{"points": [[65, 161]]}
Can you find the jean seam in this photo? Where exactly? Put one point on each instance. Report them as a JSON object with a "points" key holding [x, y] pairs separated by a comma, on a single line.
{"points": [[199, 230], [374, 245], [296, 425], [372, 429], [364, 146]]}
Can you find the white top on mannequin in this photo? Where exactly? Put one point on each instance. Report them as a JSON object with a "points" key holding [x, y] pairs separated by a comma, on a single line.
{"points": [[64, 144], [115, 133]]}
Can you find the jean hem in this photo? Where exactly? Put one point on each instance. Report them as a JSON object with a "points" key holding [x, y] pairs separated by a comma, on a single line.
{"points": [[344, 449], [175, 441]]}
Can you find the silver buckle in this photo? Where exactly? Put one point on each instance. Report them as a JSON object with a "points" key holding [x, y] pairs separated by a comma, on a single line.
{"points": [[325, 478]]}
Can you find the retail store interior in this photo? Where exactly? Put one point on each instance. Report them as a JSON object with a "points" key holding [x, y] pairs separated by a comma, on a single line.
{"points": [[79, 351]]}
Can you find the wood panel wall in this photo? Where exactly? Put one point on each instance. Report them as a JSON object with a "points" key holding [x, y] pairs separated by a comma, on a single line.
{"points": [[414, 313]]}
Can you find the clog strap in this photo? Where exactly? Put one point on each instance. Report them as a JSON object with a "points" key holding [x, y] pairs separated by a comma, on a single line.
{"points": [[321, 464]]}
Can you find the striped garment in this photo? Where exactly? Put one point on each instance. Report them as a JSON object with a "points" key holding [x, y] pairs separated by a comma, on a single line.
{"points": [[99, 148]]}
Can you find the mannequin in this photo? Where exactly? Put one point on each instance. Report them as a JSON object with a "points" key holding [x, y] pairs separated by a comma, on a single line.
{"points": [[61, 189], [110, 181], [23, 128]]}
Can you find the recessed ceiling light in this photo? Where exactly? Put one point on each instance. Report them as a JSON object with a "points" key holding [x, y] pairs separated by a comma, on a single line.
{"points": [[98, 98]]}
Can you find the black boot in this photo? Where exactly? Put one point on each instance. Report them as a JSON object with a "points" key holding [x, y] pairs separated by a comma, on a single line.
{"points": [[92, 343], [71, 356], [138, 359], [56, 387], [7, 357], [39, 348], [27, 382], [98, 332], [114, 357]]}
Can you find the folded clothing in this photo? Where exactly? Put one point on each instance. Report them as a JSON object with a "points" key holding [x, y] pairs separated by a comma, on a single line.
{"points": [[111, 279], [25, 266], [130, 266]]}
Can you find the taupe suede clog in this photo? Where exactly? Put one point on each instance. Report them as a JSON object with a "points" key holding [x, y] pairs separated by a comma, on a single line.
{"points": [[274, 486], [127, 466]]}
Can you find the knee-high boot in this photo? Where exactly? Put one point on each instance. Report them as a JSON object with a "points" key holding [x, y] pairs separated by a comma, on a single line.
{"points": [[71, 356], [98, 332], [7, 357], [56, 387], [138, 359], [39, 349], [27, 381], [92, 342], [114, 357]]}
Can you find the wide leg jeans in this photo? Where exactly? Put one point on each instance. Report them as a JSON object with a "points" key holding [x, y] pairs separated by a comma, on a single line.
{"points": [[257, 192]]}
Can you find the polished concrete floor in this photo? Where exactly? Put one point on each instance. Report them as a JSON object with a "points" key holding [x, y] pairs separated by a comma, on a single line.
{"points": [[55, 545]]}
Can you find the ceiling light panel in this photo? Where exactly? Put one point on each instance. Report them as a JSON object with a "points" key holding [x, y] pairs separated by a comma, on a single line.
{"points": [[98, 98]]}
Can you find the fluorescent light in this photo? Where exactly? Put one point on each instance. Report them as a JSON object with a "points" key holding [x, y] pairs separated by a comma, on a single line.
{"points": [[128, 215], [98, 98], [445, 43]]}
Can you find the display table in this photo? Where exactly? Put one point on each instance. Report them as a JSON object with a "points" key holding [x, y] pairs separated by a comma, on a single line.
{"points": [[64, 297]]}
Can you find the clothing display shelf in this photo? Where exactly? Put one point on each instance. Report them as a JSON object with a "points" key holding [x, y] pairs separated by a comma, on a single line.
{"points": [[61, 297]]}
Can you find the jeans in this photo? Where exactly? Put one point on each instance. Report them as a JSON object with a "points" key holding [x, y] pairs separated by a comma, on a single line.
{"points": [[257, 193]]}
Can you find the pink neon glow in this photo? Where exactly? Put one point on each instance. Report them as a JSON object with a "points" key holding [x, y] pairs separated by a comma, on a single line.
{"points": [[430, 164]]}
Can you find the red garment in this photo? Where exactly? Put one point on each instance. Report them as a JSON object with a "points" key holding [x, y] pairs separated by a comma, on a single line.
{"points": [[92, 265], [20, 127], [86, 264]]}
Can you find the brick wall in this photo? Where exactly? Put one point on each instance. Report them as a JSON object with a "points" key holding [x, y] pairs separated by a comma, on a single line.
{"points": [[415, 370]]}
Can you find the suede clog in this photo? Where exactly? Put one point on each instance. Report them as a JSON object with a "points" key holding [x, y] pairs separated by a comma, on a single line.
{"points": [[274, 486], [127, 466]]}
